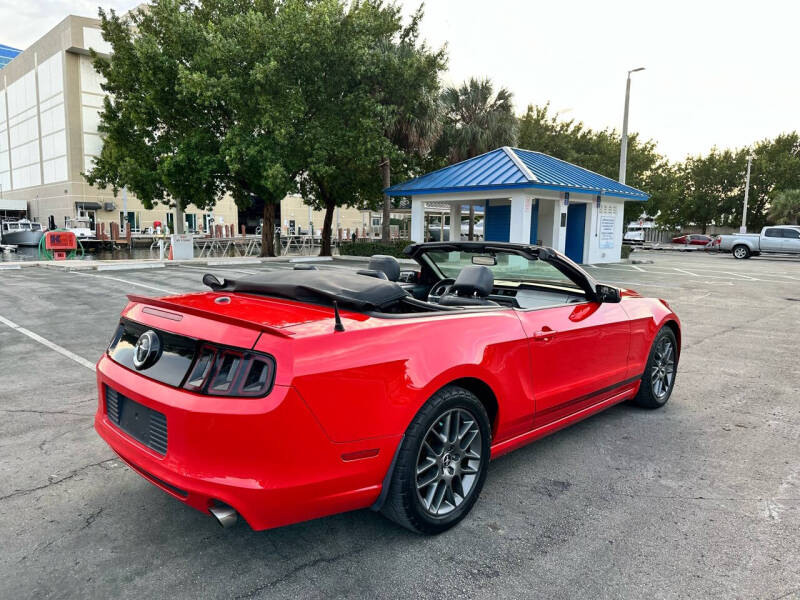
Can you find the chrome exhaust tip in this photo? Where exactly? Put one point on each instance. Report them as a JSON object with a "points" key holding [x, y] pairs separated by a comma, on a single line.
{"points": [[224, 514]]}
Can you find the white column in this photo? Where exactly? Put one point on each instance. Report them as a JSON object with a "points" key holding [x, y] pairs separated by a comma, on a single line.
{"points": [[455, 222], [520, 227], [417, 220], [561, 243]]}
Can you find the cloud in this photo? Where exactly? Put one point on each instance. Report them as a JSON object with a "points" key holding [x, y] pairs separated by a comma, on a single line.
{"points": [[25, 22]]}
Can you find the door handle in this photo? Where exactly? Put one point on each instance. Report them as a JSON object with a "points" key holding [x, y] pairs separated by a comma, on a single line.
{"points": [[544, 335]]}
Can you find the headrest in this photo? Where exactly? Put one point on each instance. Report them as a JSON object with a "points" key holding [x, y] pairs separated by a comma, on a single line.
{"points": [[387, 264], [474, 279], [372, 273]]}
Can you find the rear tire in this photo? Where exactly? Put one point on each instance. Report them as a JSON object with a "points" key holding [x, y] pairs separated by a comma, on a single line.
{"points": [[741, 251], [658, 379], [437, 481]]}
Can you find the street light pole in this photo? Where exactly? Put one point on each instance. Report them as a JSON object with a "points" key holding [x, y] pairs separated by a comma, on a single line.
{"points": [[623, 152], [743, 228]]}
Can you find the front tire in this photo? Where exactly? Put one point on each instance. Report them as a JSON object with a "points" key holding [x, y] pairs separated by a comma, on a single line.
{"points": [[741, 252], [442, 464], [658, 379]]}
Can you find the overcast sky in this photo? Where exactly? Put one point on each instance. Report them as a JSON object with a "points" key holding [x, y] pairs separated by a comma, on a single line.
{"points": [[718, 73]]}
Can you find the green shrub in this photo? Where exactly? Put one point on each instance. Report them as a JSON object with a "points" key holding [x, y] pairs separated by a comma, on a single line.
{"points": [[626, 251], [369, 248]]}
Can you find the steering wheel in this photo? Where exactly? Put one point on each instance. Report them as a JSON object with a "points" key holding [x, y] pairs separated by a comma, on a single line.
{"points": [[439, 289]]}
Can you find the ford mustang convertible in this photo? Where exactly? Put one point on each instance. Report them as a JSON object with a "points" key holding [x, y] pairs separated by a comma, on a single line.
{"points": [[294, 394]]}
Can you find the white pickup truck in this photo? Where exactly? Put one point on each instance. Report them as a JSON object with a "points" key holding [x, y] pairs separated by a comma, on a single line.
{"points": [[778, 239]]}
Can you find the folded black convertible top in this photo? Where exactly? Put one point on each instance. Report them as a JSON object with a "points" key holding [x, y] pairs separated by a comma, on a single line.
{"points": [[347, 289]]}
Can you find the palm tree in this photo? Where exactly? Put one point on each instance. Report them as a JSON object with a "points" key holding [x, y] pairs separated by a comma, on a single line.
{"points": [[414, 130], [785, 208], [476, 120]]}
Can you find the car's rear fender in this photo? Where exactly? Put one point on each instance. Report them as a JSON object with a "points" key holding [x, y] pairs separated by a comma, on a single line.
{"points": [[370, 382]]}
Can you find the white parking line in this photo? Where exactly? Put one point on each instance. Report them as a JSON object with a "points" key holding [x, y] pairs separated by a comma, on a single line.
{"points": [[36, 337], [216, 268], [742, 275], [703, 274], [144, 285]]}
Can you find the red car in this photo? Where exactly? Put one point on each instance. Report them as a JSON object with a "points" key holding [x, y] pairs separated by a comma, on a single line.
{"points": [[692, 239], [296, 394]]}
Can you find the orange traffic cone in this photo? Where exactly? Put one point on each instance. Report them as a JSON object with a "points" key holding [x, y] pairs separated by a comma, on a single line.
{"points": [[170, 252]]}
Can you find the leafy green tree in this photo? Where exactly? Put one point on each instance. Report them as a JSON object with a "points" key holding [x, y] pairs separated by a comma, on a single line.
{"points": [[475, 120], [776, 168], [785, 208], [598, 151], [233, 80], [328, 53], [155, 142], [408, 89], [710, 187]]}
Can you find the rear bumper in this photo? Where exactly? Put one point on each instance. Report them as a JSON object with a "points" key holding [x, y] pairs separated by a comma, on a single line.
{"points": [[267, 457]]}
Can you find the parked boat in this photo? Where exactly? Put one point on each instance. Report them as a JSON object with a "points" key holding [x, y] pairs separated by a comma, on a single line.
{"points": [[21, 232], [81, 227]]}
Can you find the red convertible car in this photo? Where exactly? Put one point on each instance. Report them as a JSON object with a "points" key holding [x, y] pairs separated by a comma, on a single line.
{"points": [[692, 239], [296, 394]]}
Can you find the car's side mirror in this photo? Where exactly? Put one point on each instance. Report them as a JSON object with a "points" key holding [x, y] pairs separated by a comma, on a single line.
{"points": [[607, 294], [408, 277]]}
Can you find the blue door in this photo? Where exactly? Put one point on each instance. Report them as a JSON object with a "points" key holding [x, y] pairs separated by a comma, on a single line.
{"points": [[534, 222], [576, 226], [497, 222]]}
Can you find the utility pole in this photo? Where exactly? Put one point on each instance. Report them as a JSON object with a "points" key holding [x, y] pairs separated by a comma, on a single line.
{"points": [[623, 151], [743, 228], [125, 207]]}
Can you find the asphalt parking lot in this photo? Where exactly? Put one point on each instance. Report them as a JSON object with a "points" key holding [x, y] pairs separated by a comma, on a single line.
{"points": [[700, 499]]}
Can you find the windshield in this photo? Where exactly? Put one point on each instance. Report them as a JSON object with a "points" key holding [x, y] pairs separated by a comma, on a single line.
{"points": [[510, 268]]}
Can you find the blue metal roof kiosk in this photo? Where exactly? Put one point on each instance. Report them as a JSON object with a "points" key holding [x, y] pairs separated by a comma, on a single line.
{"points": [[529, 197]]}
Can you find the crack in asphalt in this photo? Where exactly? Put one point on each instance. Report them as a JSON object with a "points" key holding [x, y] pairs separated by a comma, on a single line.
{"points": [[92, 518], [292, 572], [45, 412], [787, 594], [45, 442], [70, 475]]}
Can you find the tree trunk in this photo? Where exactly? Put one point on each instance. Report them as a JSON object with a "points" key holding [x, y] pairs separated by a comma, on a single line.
{"points": [[178, 218], [471, 235], [268, 229], [330, 207], [386, 174]]}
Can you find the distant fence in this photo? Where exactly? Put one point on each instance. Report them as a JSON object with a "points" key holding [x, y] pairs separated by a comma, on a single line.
{"points": [[658, 236]]}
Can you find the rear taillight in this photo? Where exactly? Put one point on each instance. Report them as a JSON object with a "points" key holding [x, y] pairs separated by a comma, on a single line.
{"points": [[227, 372]]}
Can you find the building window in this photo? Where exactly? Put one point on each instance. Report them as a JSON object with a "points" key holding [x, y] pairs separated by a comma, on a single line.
{"points": [[132, 220]]}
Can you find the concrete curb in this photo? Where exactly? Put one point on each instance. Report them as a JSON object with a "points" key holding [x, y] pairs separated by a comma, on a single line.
{"points": [[305, 259], [125, 265], [234, 261], [402, 261], [128, 267]]}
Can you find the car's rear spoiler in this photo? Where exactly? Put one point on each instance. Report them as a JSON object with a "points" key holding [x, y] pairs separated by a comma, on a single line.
{"points": [[199, 312]]}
